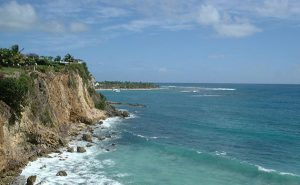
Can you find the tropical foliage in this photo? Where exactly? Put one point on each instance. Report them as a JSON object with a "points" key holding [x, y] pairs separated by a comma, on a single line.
{"points": [[12, 57]]}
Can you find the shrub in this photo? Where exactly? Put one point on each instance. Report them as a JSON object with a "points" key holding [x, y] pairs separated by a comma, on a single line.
{"points": [[81, 69], [13, 93], [100, 105]]}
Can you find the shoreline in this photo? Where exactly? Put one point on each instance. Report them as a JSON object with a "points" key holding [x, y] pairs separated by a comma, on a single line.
{"points": [[135, 89], [73, 141]]}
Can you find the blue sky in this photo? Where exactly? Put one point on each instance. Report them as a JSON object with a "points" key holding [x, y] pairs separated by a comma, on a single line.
{"points": [[231, 41]]}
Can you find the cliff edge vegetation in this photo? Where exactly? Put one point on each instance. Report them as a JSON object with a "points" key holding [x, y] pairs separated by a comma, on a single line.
{"points": [[43, 101]]}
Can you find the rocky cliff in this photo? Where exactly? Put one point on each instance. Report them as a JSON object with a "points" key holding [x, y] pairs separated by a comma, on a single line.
{"points": [[55, 104]]}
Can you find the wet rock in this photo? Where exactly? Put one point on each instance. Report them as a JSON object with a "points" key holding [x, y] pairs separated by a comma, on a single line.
{"points": [[58, 151], [44, 166], [61, 173], [31, 180], [100, 122], [81, 149], [70, 149], [108, 136], [48, 156], [32, 158], [101, 138], [89, 145], [87, 137], [113, 144], [124, 114], [107, 149]]}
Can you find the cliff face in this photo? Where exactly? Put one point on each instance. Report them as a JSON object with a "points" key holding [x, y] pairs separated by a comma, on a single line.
{"points": [[55, 106]]}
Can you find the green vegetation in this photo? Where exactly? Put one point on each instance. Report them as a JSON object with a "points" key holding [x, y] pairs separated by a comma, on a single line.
{"points": [[124, 85], [12, 61], [98, 98], [12, 57], [81, 69], [13, 93], [18, 72]]}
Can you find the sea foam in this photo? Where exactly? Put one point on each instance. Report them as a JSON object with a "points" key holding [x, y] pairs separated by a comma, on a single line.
{"points": [[82, 168]]}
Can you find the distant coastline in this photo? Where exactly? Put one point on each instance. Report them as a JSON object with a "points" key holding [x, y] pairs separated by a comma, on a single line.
{"points": [[119, 85], [128, 89]]}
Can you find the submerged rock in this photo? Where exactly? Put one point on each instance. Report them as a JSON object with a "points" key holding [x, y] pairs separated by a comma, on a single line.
{"points": [[87, 137], [101, 138], [44, 166], [31, 180], [81, 149], [61, 173], [89, 145]]}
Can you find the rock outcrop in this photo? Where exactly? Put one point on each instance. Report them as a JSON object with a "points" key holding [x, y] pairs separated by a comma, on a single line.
{"points": [[31, 180], [59, 105]]}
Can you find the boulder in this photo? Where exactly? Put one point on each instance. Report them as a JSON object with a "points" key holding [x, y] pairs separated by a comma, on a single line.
{"points": [[81, 149], [31, 180], [125, 114], [87, 137], [70, 149], [61, 173]]}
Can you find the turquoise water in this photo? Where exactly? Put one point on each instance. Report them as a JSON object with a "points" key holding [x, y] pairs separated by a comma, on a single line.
{"points": [[208, 134], [189, 134]]}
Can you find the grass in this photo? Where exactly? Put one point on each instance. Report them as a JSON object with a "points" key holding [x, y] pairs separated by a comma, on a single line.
{"points": [[11, 70]]}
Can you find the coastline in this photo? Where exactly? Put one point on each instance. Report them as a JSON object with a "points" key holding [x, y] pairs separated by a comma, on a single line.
{"points": [[76, 130], [134, 89], [75, 139]]}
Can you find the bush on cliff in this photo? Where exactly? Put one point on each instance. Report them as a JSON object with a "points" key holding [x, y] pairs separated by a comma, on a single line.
{"points": [[13, 92], [81, 69]]}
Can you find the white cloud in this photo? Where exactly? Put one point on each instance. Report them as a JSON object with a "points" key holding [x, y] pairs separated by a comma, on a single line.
{"points": [[111, 12], [236, 29], [274, 8], [224, 24], [279, 9], [78, 27], [208, 15], [52, 26], [135, 25], [14, 16]]}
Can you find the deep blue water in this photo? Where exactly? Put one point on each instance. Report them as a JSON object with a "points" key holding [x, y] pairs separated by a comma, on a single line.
{"points": [[209, 134]]}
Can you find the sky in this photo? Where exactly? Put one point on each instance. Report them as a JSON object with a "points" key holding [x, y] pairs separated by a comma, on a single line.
{"points": [[197, 41]]}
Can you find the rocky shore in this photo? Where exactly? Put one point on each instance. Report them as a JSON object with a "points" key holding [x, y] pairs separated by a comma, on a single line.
{"points": [[83, 133], [59, 107]]}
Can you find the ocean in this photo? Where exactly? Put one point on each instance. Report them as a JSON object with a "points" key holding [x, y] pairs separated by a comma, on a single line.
{"points": [[190, 134]]}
